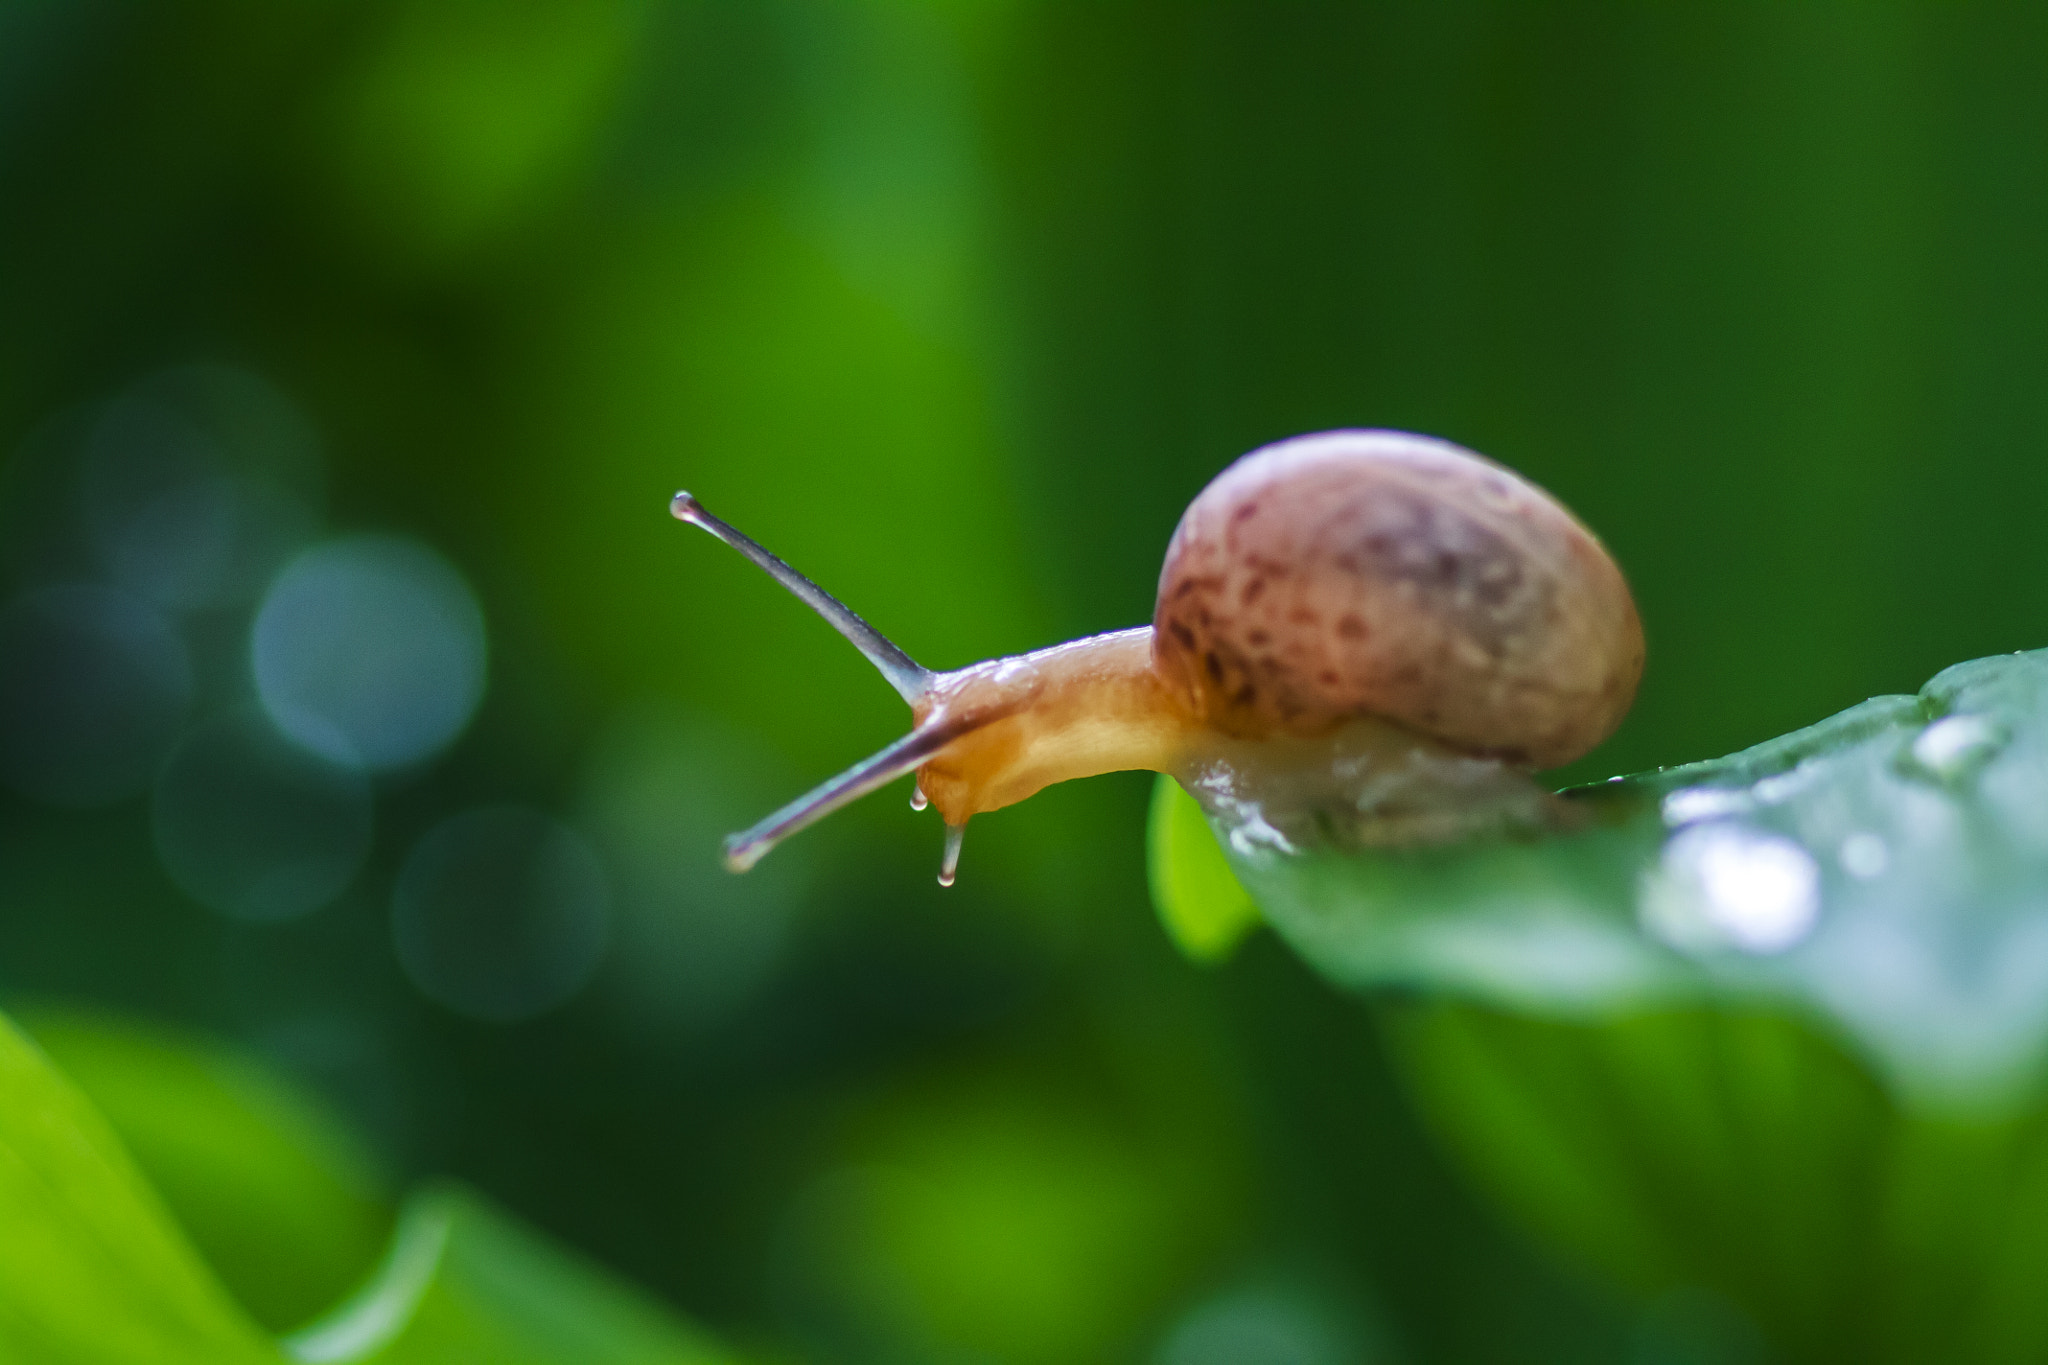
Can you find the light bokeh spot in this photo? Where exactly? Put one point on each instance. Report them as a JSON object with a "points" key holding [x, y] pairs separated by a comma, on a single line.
{"points": [[196, 483], [659, 793], [500, 913], [370, 649], [256, 827], [94, 684], [1261, 1326]]}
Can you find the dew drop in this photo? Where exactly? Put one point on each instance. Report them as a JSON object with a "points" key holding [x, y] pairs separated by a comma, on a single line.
{"points": [[1954, 747], [1779, 788], [1694, 804], [1722, 885], [918, 800], [1864, 856]]}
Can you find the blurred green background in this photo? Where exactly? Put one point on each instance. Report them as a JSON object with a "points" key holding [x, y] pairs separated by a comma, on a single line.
{"points": [[420, 311]]}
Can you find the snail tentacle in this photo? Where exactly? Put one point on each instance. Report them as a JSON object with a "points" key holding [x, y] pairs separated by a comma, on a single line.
{"points": [[749, 846], [911, 679]]}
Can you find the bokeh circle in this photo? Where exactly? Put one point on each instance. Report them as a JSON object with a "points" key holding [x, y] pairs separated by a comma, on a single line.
{"points": [[500, 913], [370, 650], [256, 827], [94, 684]]}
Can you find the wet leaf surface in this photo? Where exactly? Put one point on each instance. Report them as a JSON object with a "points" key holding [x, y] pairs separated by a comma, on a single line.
{"points": [[1884, 872], [1768, 1029]]}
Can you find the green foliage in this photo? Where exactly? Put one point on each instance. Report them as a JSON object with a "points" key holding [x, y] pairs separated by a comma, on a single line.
{"points": [[464, 1282], [956, 306], [1880, 872], [1743, 1152], [93, 1271], [269, 1188], [96, 1267], [1046, 1214], [1802, 1068]]}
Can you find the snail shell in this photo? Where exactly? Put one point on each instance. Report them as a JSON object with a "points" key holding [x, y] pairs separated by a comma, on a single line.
{"points": [[1381, 573]]}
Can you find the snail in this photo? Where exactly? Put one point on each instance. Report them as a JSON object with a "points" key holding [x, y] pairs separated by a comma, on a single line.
{"points": [[1332, 608]]}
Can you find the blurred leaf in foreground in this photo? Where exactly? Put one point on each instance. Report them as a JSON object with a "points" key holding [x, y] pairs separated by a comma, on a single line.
{"points": [[92, 1269], [463, 1282], [273, 1192]]}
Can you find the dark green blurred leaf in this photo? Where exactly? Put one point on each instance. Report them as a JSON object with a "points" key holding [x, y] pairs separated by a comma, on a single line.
{"points": [[92, 1269], [460, 121], [465, 1282], [1746, 1153], [270, 1188]]}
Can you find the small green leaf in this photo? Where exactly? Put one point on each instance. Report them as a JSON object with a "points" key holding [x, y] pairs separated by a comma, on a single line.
{"points": [[1205, 908], [92, 1269], [463, 1281]]}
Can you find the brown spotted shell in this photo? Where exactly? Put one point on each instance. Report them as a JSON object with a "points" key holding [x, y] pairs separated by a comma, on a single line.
{"points": [[1376, 572]]}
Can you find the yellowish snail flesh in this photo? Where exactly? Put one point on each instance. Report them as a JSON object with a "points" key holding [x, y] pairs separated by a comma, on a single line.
{"points": [[1373, 621]]}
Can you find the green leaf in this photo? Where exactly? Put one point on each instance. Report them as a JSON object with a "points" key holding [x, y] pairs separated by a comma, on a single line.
{"points": [[1745, 1152], [1775, 1024], [464, 1282], [272, 1190], [1885, 871], [1697, 1147], [92, 1268], [1205, 908]]}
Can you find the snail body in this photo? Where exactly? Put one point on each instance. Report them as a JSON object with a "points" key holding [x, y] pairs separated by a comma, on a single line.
{"points": [[1350, 600]]}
